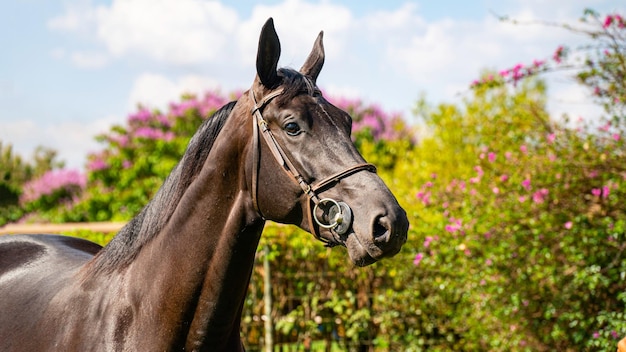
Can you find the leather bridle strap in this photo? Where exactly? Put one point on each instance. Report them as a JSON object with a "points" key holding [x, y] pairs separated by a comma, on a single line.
{"points": [[310, 190]]}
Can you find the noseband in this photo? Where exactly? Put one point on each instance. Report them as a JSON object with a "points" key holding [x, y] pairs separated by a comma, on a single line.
{"points": [[339, 212]]}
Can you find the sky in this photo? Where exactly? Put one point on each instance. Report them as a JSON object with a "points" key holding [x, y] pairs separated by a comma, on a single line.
{"points": [[70, 69]]}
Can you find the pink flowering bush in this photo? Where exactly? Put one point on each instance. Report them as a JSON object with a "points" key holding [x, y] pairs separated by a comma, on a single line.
{"points": [[518, 227], [601, 70], [52, 188], [529, 210], [371, 122], [138, 156]]}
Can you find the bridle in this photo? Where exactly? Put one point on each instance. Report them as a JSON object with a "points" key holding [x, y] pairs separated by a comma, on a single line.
{"points": [[339, 212]]}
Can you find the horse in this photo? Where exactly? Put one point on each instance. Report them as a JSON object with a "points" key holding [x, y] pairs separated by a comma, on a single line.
{"points": [[174, 278]]}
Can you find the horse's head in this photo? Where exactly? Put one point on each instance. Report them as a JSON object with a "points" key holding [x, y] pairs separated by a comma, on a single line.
{"points": [[305, 169]]}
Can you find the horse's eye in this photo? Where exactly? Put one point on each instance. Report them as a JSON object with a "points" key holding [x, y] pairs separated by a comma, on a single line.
{"points": [[292, 129]]}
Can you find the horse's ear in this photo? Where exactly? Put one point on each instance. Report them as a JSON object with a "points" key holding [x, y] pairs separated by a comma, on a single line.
{"points": [[267, 55], [313, 64]]}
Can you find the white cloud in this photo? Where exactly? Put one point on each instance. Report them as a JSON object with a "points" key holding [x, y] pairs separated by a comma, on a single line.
{"points": [[179, 32], [78, 17], [184, 32], [397, 48], [298, 24], [155, 90]]}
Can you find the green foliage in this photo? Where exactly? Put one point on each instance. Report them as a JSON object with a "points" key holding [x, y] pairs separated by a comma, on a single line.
{"points": [[93, 236], [530, 210], [15, 172]]}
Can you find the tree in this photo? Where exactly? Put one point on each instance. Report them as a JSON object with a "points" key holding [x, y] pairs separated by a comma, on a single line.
{"points": [[15, 172], [568, 268]]}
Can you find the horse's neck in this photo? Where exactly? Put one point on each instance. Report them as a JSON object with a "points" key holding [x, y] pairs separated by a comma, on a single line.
{"points": [[192, 277]]}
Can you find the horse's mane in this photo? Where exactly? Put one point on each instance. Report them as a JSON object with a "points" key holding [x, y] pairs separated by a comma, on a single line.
{"points": [[123, 248], [154, 216]]}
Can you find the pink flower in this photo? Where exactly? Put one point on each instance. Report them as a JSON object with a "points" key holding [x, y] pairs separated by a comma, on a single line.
{"points": [[424, 197], [418, 258], [504, 178], [517, 68], [596, 192], [97, 164], [72, 181], [491, 157], [521, 199], [620, 21], [568, 225], [540, 196], [122, 141], [558, 54], [141, 116], [153, 133], [608, 20], [551, 157], [596, 335], [616, 136], [605, 128], [523, 149], [551, 138], [427, 241], [606, 190], [495, 190], [508, 155], [454, 225], [526, 184]]}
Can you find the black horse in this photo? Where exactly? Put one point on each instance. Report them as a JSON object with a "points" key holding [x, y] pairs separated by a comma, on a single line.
{"points": [[175, 277]]}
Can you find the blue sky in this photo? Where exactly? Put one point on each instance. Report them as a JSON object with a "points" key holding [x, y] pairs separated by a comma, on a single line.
{"points": [[71, 68]]}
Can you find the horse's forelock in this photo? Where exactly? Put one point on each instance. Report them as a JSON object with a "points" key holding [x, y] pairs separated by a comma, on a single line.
{"points": [[293, 83]]}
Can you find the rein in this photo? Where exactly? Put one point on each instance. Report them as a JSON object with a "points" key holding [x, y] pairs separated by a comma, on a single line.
{"points": [[339, 212]]}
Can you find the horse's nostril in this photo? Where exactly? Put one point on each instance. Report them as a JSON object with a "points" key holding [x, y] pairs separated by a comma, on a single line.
{"points": [[380, 232]]}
